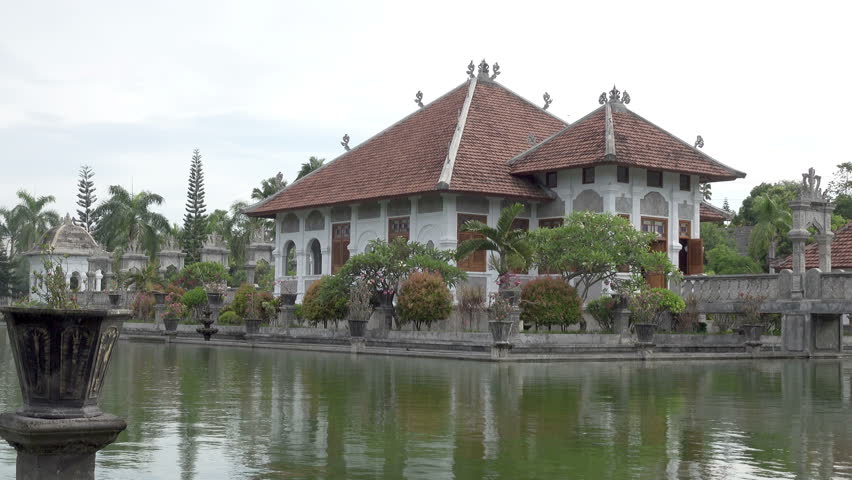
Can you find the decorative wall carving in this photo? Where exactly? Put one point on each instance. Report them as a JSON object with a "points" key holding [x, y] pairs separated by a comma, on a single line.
{"points": [[588, 200], [290, 223], [552, 209], [624, 204], [315, 221], [654, 204]]}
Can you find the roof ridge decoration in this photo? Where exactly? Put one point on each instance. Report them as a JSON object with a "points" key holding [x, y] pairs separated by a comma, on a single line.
{"points": [[345, 141], [699, 142], [482, 71], [453, 150], [615, 96], [418, 98], [547, 100]]}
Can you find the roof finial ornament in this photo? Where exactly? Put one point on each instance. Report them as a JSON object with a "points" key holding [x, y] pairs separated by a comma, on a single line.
{"points": [[810, 185], [483, 69], [418, 98], [699, 142], [614, 94], [345, 141], [470, 68], [496, 71], [602, 98], [531, 139], [547, 100], [625, 98], [67, 220]]}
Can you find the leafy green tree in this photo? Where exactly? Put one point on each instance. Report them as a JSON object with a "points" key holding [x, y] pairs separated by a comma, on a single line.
{"points": [[269, 186], [423, 299], [126, 218], [843, 207], [714, 235], [550, 301], [9, 228], [841, 182], [590, 248], [726, 206], [194, 221], [29, 220], [773, 222], [509, 246], [6, 272], [86, 198], [326, 299], [784, 192], [312, 164], [706, 191], [724, 260]]}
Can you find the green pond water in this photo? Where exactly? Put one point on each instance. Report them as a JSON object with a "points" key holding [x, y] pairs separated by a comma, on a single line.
{"points": [[197, 412]]}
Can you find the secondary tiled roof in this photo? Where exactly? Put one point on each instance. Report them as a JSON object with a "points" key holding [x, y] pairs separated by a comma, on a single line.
{"points": [[711, 213], [408, 157], [636, 143], [841, 252]]}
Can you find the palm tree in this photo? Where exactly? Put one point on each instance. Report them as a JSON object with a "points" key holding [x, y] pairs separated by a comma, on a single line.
{"points": [[9, 229], [508, 246], [312, 164], [269, 186], [706, 191], [773, 222], [126, 218], [31, 220]]}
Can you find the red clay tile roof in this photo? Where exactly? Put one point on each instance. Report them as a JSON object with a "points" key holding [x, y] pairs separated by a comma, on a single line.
{"points": [[710, 213], [638, 143], [408, 157], [841, 252], [498, 128]]}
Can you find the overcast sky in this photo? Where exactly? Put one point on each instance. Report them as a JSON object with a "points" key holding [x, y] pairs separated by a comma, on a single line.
{"points": [[131, 88]]}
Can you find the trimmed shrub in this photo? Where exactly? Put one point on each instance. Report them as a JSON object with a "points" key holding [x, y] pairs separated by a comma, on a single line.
{"points": [[143, 306], [193, 300], [602, 309], [326, 299], [670, 301], [230, 318], [200, 273], [424, 298], [647, 305], [550, 301], [471, 301]]}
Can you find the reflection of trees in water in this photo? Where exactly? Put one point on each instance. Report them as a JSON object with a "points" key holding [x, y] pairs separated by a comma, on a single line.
{"points": [[313, 415]]}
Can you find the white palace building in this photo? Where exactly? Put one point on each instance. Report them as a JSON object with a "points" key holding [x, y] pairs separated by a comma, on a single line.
{"points": [[476, 149]]}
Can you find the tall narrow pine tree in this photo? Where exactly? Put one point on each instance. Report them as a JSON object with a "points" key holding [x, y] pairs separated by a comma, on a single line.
{"points": [[194, 222], [86, 198]]}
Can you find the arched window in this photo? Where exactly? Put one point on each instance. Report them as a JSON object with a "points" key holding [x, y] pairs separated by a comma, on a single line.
{"points": [[290, 259], [314, 258]]}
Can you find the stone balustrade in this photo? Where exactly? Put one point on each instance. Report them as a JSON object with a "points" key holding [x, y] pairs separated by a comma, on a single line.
{"points": [[727, 288]]}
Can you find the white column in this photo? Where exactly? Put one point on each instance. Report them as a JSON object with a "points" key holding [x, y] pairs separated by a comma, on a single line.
{"points": [[412, 218], [353, 231], [674, 227], [326, 244], [383, 219], [299, 255], [449, 235]]}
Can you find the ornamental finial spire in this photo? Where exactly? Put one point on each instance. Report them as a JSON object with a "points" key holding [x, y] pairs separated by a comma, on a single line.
{"points": [[418, 98], [482, 70], [470, 68], [345, 141], [547, 100], [615, 96], [699, 142]]}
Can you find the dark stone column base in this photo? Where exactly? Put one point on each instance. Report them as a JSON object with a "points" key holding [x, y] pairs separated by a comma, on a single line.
{"points": [[57, 449]]}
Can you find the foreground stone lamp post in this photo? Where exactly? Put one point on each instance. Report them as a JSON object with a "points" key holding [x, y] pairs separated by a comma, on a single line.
{"points": [[61, 357]]}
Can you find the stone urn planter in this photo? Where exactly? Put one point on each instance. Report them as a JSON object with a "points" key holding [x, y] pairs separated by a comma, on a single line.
{"points": [[645, 332], [114, 298], [159, 298], [357, 328], [752, 332], [501, 330], [288, 299], [171, 323], [214, 298], [252, 326], [62, 357]]}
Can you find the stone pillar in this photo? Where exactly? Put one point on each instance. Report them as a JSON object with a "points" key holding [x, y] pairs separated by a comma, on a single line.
{"points": [[90, 281], [159, 313], [286, 317], [108, 282], [798, 237], [250, 268], [58, 449], [824, 243]]}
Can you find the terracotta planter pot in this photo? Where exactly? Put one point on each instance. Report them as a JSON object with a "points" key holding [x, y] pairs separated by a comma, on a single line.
{"points": [[500, 330], [288, 298], [645, 332], [114, 299], [159, 298], [62, 358], [252, 326], [357, 328], [171, 323]]}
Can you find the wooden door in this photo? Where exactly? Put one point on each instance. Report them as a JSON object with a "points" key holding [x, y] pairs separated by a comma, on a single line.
{"points": [[695, 253], [339, 245], [474, 262]]}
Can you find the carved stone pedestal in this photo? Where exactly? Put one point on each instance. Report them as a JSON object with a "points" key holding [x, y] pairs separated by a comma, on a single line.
{"points": [[58, 449], [500, 350], [357, 344]]}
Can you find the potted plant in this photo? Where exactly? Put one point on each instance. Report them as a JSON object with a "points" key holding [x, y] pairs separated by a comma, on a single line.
{"points": [[61, 350], [253, 312], [752, 329], [647, 307], [215, 292], [287, 295], [360, 308], [174, 312], [500, 319]]}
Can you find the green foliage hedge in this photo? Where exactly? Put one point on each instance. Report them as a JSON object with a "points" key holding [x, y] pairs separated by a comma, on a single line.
{"points": [[602, 309], [326, 300], [200, 273], [550, 301], [230, 318], [424, 298]]}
